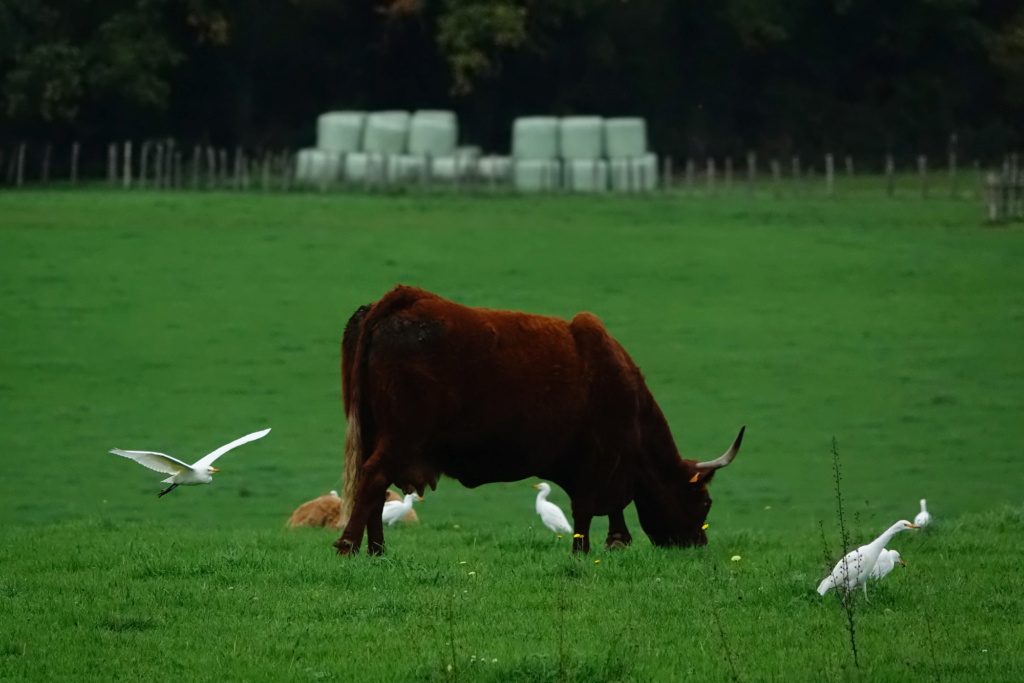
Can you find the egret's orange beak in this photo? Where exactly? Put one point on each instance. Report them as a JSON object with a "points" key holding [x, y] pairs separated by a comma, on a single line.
{"points": [[913, 526], [535, 486], [902, 562], [419, 499], [214, 469]]}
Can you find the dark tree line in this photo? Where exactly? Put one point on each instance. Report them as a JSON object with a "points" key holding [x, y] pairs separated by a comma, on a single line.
{"points": [[711, 76]]}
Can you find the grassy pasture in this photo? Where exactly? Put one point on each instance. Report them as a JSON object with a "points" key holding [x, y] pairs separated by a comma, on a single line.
{"points": [[178, 322]]}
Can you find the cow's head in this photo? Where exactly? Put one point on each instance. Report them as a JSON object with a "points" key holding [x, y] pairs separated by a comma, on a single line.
{"points": [[674, 509]]}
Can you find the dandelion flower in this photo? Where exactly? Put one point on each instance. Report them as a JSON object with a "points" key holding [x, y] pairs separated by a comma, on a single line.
{"points": [[597, 561], [576, 536], [704, 527]]}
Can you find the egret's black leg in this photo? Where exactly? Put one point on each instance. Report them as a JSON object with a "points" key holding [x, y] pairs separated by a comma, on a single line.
{"points": [[167, 490]]}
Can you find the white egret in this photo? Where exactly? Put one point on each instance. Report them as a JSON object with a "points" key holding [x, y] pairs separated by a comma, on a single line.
{"points": [[854, 569], [887, 561], [182, 473], [923, 517], [394, 510], [551, 514]]}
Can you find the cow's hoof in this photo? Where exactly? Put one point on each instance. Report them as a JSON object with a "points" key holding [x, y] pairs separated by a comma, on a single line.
{"points": [[346, 547], [615, 541]]}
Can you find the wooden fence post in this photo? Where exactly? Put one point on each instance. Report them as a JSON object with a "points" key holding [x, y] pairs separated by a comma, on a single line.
{"points": [[728, 174], [158, 166], [238, 168], [196, 160], [711, 176], [751, 172], [211, 168], [796, 174], [169, 161], [21, 165], [922, 171], [177, 169], [691, 171], [127, 164], [75, 149], [777, 177], [830, 175], [666, 174], [992, 198], [46, 163], [890, 175], [222, 162]]}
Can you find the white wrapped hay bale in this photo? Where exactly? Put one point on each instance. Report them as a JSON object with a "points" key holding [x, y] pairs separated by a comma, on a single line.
{"points": [[536, 175], [340, 131], [581, 137], [625, 137], [434, 135], [316, 166], [585, 175], [535, 137], [493, 168], [387, 132], [372, 168], [636, 174]]}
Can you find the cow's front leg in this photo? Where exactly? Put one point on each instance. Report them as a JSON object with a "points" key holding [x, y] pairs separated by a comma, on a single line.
{"points": [[369, 499], [582, 514], [618, 534]]}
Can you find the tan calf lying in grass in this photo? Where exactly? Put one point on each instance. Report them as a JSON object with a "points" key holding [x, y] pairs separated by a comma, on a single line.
{"points": [[326, 511]]}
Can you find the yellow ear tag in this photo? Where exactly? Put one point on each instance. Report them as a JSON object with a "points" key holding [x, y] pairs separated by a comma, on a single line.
{"points": [[694, 478]]}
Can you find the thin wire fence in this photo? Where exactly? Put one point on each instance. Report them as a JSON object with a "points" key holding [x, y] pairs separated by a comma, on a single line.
{"points": [[165, 165]]}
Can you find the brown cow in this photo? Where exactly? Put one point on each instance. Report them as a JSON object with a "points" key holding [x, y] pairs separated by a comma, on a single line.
{"points": [[434, 388]]}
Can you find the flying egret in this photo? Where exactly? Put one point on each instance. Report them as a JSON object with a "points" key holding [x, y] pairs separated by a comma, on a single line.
{"points": [[551, 514], [887, 561], [394, 510], [182, 473], [854, 569], [923, 517]]}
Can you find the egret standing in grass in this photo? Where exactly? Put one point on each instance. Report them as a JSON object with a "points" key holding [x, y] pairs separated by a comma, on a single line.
{"points": [[923, 518], [551, 514], [394, 510], [854, 569], [887, 561], [182, 473]]}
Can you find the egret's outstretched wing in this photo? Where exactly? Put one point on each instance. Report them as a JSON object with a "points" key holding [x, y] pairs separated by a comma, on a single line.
{"points": [[207, 460], [154, 461]]}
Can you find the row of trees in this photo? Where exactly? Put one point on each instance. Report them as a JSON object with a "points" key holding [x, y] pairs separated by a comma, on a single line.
{"points": [[711, 76]]}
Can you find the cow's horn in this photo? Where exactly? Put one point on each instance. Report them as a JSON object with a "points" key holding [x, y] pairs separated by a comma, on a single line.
{"points": [[726, 457]]}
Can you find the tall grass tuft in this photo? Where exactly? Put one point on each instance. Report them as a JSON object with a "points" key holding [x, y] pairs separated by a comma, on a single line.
{"points": [[844, 535]]}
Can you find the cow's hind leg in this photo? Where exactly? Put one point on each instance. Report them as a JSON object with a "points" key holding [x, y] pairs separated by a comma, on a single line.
{"points": [[369, 501], [582, 514], [375, 527], [618, 534]]}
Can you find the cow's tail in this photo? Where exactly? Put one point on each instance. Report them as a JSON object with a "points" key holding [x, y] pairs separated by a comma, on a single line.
{"points": [[359, 430]]}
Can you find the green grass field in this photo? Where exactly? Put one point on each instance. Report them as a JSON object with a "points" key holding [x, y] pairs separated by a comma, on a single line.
{"points": [[179, 322]]}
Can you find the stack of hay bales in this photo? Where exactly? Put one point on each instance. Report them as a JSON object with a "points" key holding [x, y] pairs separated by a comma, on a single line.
{"points": [[326, 511], [632, 167], [432, 152], [581, 147], [535, 163], [384, 141], [338, 133]]}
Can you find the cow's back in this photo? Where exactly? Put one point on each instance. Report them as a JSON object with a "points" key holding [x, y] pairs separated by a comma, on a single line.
{"points": [[489, 395]]}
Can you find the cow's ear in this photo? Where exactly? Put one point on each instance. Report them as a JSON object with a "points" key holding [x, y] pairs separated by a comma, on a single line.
{"points": [[702, 477]]}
